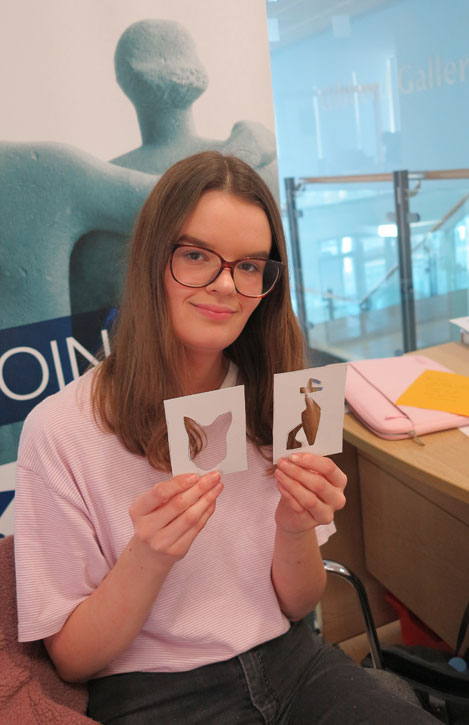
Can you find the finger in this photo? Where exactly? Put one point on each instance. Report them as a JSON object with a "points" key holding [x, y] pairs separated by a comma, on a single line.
{"points": [[164, 491], [161, 492], [318, 485], [181, 545], [190, 518], [322, 465], [181, 502], [314, 482], [292, 502], [184, 508], [322, 512]]}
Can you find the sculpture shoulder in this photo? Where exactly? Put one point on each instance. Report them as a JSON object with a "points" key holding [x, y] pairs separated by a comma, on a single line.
{"points": [[253, 142]]}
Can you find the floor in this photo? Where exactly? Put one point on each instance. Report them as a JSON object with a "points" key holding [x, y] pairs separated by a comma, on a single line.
{"points": [[378, 333]]}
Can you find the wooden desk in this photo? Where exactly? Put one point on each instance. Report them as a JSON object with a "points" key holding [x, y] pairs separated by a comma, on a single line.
{"points": [[413, 515]]}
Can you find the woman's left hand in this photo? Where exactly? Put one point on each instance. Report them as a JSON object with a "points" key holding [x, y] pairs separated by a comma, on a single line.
{"points": [[312, 489]]}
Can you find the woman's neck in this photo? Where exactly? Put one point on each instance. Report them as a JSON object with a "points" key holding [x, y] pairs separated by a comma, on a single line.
{"points": [[203, 375]]}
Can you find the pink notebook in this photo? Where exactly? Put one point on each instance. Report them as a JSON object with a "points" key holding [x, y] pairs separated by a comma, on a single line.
{"points": [[372, 386]]}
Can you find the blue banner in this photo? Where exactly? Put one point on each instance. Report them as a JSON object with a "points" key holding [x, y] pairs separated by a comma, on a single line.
{"points": [[37, 360]]}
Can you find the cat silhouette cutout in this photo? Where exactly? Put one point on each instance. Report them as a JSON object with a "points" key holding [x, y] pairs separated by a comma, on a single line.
{"points": [[310, 417], [213, 437]]}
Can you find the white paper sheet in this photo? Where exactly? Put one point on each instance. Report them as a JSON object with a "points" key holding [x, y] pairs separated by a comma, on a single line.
{"points": [[290, 403], [225, 432], [461, 322]]}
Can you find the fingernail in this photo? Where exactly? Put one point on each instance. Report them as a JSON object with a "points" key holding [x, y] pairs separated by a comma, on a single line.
{"points": [[193, 478], [213, 476], [294, 457]]}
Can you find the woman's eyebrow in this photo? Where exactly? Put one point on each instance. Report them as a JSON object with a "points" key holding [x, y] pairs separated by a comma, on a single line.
{"points": [[193, 240], [200, 243]]}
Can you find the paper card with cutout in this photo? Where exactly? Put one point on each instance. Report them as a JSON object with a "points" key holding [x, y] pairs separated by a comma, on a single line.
{"points": [[309, 411], [221, 416]]}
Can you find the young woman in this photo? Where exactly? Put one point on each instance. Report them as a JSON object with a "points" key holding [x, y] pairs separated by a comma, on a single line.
{"points": [[181, 598]]}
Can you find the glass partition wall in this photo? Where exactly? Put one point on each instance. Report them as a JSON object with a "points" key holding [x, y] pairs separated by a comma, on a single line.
{"points": [[380, 261], [362, 88]]}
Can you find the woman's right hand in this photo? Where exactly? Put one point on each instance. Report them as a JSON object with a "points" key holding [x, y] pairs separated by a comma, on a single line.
{"points": [[168, 517]]}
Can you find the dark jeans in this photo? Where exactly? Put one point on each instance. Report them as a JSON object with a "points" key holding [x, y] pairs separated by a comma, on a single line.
{"points": [[293, 679]]}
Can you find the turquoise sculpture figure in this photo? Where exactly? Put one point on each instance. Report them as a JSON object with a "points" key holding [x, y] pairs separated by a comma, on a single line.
{"points": [[65, 215], [158, 68]]}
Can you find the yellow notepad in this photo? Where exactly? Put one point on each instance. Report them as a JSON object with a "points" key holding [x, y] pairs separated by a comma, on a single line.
{"points": [[436, 390]]}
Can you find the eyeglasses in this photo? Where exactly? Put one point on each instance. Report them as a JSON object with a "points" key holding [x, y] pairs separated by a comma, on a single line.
{"points": [[194, 266]]}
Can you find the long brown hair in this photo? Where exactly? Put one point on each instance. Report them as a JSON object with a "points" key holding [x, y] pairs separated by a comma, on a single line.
{"points": [[142, 370]]}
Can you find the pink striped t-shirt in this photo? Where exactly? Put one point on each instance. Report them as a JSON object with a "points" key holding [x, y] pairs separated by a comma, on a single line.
{"points": [[75, 484]]}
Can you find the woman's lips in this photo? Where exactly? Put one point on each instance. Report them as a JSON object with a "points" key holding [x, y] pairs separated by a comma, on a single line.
{"points": [[215, 312]]}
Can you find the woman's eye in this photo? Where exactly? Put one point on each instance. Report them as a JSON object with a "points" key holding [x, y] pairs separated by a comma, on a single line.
{"points": [[250, 267], [194, 257]]}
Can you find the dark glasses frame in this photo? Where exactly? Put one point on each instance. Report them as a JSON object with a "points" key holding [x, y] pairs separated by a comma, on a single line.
{"points": [[226, 265]]}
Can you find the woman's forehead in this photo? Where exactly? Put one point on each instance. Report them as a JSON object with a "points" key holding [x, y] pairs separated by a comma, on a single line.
{"points": [[223, 218]]}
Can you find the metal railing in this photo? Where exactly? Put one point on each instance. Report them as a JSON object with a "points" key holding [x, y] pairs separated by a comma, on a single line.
{"points": [[403, 218]]}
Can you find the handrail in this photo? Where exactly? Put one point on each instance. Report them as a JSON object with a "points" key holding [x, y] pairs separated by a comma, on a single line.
{"points": [[390, 272], [443, 174], [355, 178], [399, 183], [434, 228], [375, 178], [330, 295]]}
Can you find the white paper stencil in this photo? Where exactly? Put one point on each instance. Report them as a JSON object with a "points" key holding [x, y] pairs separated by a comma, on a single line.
{"points": [[221, 414], [461, 322], [309, 411]]}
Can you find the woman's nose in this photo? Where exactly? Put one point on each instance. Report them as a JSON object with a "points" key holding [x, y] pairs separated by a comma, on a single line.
{"points": [[224, 283]]}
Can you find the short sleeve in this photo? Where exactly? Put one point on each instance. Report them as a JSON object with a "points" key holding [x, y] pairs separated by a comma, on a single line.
{"points": [[58, 559], [324, 532]]}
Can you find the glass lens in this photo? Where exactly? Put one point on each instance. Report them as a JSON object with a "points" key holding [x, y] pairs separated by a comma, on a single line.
{"points": [[194, 266], [254, 277], [197, 267]]}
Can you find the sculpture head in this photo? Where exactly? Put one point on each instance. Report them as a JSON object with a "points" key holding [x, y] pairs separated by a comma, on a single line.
{"points": [[157, 65]]}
